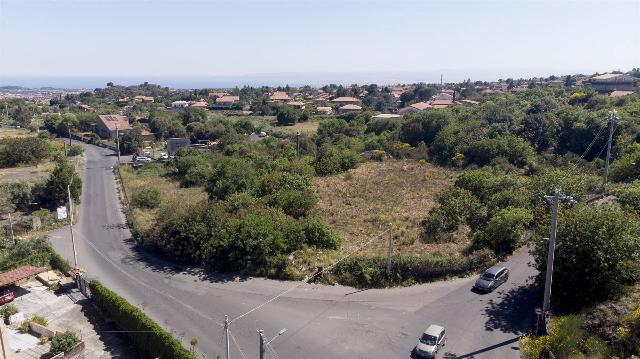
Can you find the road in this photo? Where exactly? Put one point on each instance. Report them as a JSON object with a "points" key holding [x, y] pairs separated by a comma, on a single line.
{"points": [[322, 321]]}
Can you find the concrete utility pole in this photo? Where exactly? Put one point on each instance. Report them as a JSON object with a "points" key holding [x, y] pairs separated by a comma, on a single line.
{"points": [[298, 144], [11, 227], [261, 334], [611, 117], [73, 242], [389, 250], [118, 143], [226, 334], [69, 132]]}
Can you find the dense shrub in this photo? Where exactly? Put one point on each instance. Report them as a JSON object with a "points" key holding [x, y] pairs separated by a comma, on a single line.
{"points": [[331, 160], [370, 271], [146, 198], [36, 252], [23, 151], [319, 234], [55, 189], [595, 250], [567, 339], [63, 342], [627, 167], [231, 175], [455, 207], [8, 310], [75, 150], [628, 196], [504, 230], [147, 336]]}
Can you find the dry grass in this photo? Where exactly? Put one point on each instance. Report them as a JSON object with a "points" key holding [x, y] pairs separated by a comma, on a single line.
{"points": [[30, 174], [156, 176], [363, 202], [309, 127], [15, 132]]}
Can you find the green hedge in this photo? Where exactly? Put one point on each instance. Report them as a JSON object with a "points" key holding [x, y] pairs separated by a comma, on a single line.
{"points": [[147, 336], [371, 271]]}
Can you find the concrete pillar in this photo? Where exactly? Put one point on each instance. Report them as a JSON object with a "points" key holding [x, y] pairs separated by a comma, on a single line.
{"points": [[5, 351]]}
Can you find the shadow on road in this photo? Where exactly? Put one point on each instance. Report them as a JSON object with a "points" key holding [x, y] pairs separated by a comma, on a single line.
{"points": [[512, 312], [162, 264], [480, 351]]}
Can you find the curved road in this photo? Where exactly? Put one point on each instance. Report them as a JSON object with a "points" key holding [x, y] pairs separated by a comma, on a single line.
{"points": [[322, 321]]}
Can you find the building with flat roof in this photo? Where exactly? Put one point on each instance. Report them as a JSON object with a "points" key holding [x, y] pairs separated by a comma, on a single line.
{"points": [[612, 82]]}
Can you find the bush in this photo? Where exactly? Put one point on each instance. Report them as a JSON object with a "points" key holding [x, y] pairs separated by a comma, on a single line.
{"points": [[55, 189], [63, 342], [331, 160], [596, 248], [23, 150], [567, 339], [370, 271], [147, 336], [455, 207], [39, 320], [504, 231], [627, 167], [319, 234], [231, 175], [146, 198], [628, 197], [8, 310], [75, 150]]}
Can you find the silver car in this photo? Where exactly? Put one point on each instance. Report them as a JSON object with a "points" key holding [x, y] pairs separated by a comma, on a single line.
{"points": [[491, 279], [430, 342]]}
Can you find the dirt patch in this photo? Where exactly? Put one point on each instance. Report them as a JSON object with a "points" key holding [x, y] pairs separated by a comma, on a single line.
{"points": [[363, 202]]}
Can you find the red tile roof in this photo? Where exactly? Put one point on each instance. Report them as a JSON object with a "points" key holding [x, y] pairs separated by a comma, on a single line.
{"points": [[279, 96], [420, 106], [19, 274], [350, 108], [345, 99], [113, 121]]}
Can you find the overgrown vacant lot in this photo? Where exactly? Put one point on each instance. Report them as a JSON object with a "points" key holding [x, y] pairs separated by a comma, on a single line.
{"points": [[361, 203], [27, 173], [156, 176]]}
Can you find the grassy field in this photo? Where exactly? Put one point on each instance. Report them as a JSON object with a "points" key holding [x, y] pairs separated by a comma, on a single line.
{"points": [[363, 202], [15, 132], [156, 176], [309, 127], [28, 173]]}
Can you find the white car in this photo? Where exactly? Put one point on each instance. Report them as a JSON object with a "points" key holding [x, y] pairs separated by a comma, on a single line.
{"points": [[430, 342], [143, 159], [164, 156]]}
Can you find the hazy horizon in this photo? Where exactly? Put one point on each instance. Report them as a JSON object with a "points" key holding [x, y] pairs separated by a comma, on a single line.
{"points": [[225, 44]]}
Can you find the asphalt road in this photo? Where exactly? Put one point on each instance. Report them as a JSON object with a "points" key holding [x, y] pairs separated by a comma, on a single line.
{"points": [[322, 321]]}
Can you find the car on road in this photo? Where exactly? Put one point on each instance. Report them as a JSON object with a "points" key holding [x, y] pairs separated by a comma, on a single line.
{"points": [[491, 279], [6, 295], [430, 342]]}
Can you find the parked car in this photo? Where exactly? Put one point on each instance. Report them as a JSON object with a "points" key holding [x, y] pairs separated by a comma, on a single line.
{"points": [[430, 342], [143, 159], [6, 295], [164, 156], [491, 279]]}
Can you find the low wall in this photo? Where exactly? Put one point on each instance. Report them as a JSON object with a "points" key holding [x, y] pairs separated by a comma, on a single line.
{"points": [[41, 330]]}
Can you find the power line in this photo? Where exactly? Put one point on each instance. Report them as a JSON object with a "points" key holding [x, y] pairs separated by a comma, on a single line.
{"points": [[308, 279], [233, 338]]}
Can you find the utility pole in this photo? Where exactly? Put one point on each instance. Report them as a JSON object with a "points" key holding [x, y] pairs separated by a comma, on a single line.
{"points": [[69, 132], [389, 249], [611, 117], [261, 333], [73, 242], [118, 143], [298, 144], [226, 334], [551, 253], [11, 227]]}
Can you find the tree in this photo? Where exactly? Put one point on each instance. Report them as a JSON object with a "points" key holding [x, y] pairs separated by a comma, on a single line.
{"points": [[597, 252], [55, 189], [131, 140], [23, 150], [287, 116], [22, 116]]}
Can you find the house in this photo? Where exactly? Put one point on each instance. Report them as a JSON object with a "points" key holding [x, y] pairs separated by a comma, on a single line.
{"points": [[279, 97], [350, 108], [618, 93], [226, 101], [86, 108], [418, 106], [611, 82], [443, 96], [468, 102], [217, 94], [108, 125], [345, 100], [179, 104], [385, 116], [199, 104], [147, 99], [147, 135], [440, 103], [296, 104], [324, 110], [122, 101]]}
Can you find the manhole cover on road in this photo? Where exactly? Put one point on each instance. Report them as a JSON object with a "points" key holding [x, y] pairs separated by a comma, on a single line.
{"points": [[115, 226]]}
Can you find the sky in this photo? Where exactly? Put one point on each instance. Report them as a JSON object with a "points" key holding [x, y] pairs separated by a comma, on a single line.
{"points": [[314, 40]]}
